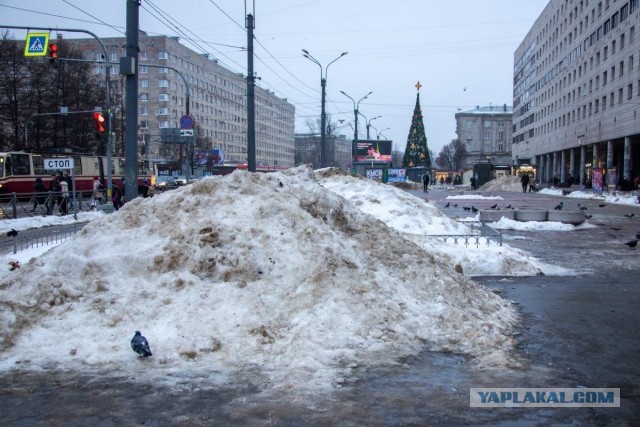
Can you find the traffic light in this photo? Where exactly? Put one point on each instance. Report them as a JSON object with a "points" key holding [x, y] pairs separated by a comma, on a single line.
{"points": [[53, 51], [98, 121]]}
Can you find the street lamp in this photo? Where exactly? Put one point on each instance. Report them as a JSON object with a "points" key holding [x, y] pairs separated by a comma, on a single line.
{"points": [[369, 124], [380, 133], [355, 111], [323, 116]]}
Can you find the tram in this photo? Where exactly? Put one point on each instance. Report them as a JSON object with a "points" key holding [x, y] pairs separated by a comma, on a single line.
{"points": [[19, 170]]}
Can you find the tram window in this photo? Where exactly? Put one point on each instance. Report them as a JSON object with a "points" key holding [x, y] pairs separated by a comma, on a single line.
{"points": [[77, 165], [38, 165], [2, 164], [20, 164]]}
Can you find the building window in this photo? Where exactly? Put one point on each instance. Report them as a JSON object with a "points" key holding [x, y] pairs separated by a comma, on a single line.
{"points": [[113, 56], [469, 124], [487, 134], [163, 111], [143, 69], [469, 136], [604, 102], [163, 70], [163, 83], [144, 124], [144, 83], [501, 135], [144, 97], [163, 55], [163, 124], [621, 71], [144, 111], [604, 78], [630, 91], [163, 97], [631, 63], [487, 124], [143, 56], [620, 96]]}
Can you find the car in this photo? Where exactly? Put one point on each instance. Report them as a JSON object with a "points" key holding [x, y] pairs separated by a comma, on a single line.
{"points": [[165, 182]]}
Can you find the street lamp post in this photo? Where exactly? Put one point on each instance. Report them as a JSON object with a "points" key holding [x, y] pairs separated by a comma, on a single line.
{"points": [[355, 111], [380, 132], [369, 124], [323, 116]]}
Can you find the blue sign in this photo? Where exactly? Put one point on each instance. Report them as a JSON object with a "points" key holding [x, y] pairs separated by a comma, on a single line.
{"points": [[186, 122]]}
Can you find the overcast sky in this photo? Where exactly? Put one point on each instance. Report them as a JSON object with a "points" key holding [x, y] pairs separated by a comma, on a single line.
{"points": [[392, 44]]}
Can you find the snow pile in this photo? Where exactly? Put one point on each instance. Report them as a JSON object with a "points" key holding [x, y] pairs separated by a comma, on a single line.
{"points": [[264, 272], [504, 183], [419, 221]]}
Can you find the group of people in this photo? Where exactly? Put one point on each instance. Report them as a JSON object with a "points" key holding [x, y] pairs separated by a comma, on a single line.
{"points": [[59, 188], [528, 185]]}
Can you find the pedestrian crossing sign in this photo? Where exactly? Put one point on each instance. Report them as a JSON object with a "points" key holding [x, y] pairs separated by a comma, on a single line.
{"points": [[36, 44]]}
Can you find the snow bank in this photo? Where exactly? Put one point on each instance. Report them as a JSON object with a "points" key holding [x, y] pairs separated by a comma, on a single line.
{"points": [[267, 272]]}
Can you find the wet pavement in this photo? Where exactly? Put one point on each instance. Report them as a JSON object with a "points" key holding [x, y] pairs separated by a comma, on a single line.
{"points": [[576, 331]]}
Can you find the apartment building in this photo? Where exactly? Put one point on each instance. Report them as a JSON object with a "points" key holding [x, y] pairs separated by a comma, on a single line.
{"points": [[217, 95], [576, 92], [486, 135]]}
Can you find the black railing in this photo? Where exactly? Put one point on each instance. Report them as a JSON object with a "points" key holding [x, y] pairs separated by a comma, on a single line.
{"points": [[481, 234], [36, 237]]}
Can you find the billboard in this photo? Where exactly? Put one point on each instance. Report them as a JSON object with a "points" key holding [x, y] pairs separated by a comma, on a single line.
{"points": [[373, 151], [208, 158], [396, 175]]}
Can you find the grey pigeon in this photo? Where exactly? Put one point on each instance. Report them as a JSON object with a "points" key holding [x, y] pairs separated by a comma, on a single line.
{"points": [[559, 207], [632, 244], [474, 209], [140, 345], [629, 215]]}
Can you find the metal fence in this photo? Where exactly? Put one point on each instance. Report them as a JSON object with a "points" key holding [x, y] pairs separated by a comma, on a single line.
{"points": [[483, 235], [36, 237], [14, 206]]}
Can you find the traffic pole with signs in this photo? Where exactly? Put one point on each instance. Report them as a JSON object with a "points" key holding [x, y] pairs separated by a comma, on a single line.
{"points": [[186, 130]]}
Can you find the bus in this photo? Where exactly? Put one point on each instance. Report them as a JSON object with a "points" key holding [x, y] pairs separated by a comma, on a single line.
{"points": [[19, 170]]}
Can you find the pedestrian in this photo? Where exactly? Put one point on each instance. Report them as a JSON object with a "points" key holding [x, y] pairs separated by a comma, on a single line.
{"points": [[97, 194], [425, 182], [56, 191], [116, 196], [473, 182], [67, 179], [524, 179], [146, 187], [64, 195], [442, 180], [40, 198]]}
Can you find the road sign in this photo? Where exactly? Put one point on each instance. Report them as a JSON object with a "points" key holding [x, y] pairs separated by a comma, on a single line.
{"points": [[36, 44], [186, 122], [58, 163], [186, 132]]}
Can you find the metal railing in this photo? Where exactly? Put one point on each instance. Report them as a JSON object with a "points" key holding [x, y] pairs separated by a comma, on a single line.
{"points": [[36, 237], [484, 235], [13, 206]]}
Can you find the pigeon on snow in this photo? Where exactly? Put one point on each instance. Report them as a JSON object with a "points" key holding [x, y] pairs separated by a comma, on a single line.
{"points": [[629, 215], [632, 244], [140, 345], [559, 207]]}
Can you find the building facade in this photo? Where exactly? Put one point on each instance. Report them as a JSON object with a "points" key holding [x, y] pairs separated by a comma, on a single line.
{"points": [[576, 92], [218, 101], [486, 135]]}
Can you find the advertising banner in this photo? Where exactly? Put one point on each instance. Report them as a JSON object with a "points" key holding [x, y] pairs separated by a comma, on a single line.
{"points": [[208, 158], [374, 174], [397, 175], [373, 150], [598, 181]]}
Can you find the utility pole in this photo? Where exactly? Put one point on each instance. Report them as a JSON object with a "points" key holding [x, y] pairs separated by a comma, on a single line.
{"points": [[251, 99], [131, 84]]}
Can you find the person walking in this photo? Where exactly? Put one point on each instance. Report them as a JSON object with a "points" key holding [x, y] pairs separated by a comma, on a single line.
{"points": [[40, 198], [425, 182], [524, 180]]}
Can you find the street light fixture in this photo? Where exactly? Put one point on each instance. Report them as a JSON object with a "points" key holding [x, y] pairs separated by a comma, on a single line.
{"points": [[355, 111], [369, 125], [323, 116], [380, 133]]}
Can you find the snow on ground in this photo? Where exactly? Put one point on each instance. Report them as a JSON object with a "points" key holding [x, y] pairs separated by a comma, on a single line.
{"points": [[504, 183], [510, 224], [268, 273], [473, 197], [419, 220]]}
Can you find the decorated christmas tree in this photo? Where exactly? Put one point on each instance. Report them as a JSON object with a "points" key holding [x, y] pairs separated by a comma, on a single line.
{"points": [[417, 153]]}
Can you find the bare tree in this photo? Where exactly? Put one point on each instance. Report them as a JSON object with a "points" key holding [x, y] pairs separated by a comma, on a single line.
{"points": [[452, 155]]}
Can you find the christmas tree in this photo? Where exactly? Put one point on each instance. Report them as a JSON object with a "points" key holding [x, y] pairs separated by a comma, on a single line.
{"points": [[417, 153]]}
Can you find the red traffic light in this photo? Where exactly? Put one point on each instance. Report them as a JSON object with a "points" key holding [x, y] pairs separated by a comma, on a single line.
{"points": [[53, 51], [98, 120]]}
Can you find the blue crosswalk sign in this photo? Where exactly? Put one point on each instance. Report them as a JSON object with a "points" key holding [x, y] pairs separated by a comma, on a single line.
{"points": [[36, 44]]}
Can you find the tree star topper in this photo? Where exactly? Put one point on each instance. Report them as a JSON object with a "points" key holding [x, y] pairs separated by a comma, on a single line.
{"points": [[418, 85]]}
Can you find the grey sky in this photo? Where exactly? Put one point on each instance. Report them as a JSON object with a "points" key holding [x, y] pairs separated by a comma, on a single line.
{"points": [[392, 44]]}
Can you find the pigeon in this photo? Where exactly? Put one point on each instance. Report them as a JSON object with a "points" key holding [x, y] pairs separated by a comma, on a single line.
{"points": [[602, 205], [466, 208], [455, 206], [494, 206], [12, 233], [559, 207], [632, 243], [140, 345], [474, 209], [509, 207], [588, 216], [629, 215], [447, 205], [583, 208]]}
